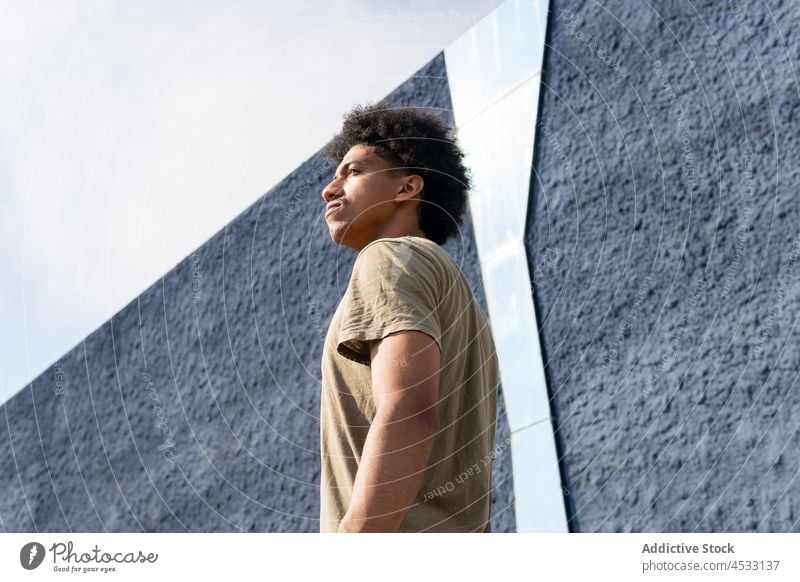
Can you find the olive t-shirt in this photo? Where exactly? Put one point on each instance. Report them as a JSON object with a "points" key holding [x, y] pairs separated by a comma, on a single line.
{"points": [[411, 283]]}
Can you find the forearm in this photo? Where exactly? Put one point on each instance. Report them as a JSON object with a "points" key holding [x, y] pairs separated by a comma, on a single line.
{"points": [[393, 463]]}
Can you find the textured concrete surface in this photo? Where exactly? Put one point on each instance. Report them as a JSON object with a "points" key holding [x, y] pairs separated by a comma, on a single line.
{"points": [[195, 408], [663, 239]]}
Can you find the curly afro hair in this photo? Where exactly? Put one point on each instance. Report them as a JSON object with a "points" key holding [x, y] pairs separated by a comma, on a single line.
{"points": [[415, 142]]}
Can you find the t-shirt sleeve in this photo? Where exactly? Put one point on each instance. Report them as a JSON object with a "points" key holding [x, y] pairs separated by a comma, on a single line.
{"points": [[393, 287]]}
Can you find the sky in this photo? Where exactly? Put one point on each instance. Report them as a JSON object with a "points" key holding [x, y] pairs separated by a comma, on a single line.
{"points": [[131, 132]]}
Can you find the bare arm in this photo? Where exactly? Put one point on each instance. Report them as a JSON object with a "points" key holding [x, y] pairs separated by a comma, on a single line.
{"points": [[405, 384]]}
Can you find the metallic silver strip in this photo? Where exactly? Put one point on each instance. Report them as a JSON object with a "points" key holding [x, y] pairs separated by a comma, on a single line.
{"points": [[494, 74]]}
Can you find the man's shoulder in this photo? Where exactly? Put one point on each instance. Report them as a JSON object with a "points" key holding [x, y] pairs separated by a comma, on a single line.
{"points": [[404, 262], [404, 247], [396, 241]]}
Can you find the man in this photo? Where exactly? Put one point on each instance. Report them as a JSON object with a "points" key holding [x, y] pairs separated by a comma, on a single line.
{"points": [[409, 370]]}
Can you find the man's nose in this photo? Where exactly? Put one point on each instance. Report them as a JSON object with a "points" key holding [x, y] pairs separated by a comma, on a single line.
{"points": [[331, 191]]}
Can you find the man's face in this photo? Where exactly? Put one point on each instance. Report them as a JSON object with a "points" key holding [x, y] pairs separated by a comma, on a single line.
{"points": [[360, 197]]}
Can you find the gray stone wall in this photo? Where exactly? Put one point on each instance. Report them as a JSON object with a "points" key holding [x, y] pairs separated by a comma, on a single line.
{"points": [[195, 408], [663, 242]]}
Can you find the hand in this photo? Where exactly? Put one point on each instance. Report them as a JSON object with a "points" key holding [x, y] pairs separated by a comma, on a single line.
{"points": [[349, 525], [345, 526]]}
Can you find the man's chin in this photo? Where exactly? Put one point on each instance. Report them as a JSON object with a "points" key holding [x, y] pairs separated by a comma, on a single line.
{"points": [[337, 234], [340, 237]]}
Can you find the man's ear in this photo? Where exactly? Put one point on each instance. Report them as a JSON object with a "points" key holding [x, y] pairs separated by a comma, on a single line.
{"points": [[410, 187]]}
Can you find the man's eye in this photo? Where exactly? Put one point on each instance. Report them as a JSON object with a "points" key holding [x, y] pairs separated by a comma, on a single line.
{"points": [[353, 170]]}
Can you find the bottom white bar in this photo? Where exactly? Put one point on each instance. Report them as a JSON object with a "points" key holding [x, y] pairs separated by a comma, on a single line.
{"points": [[389, 557]]}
